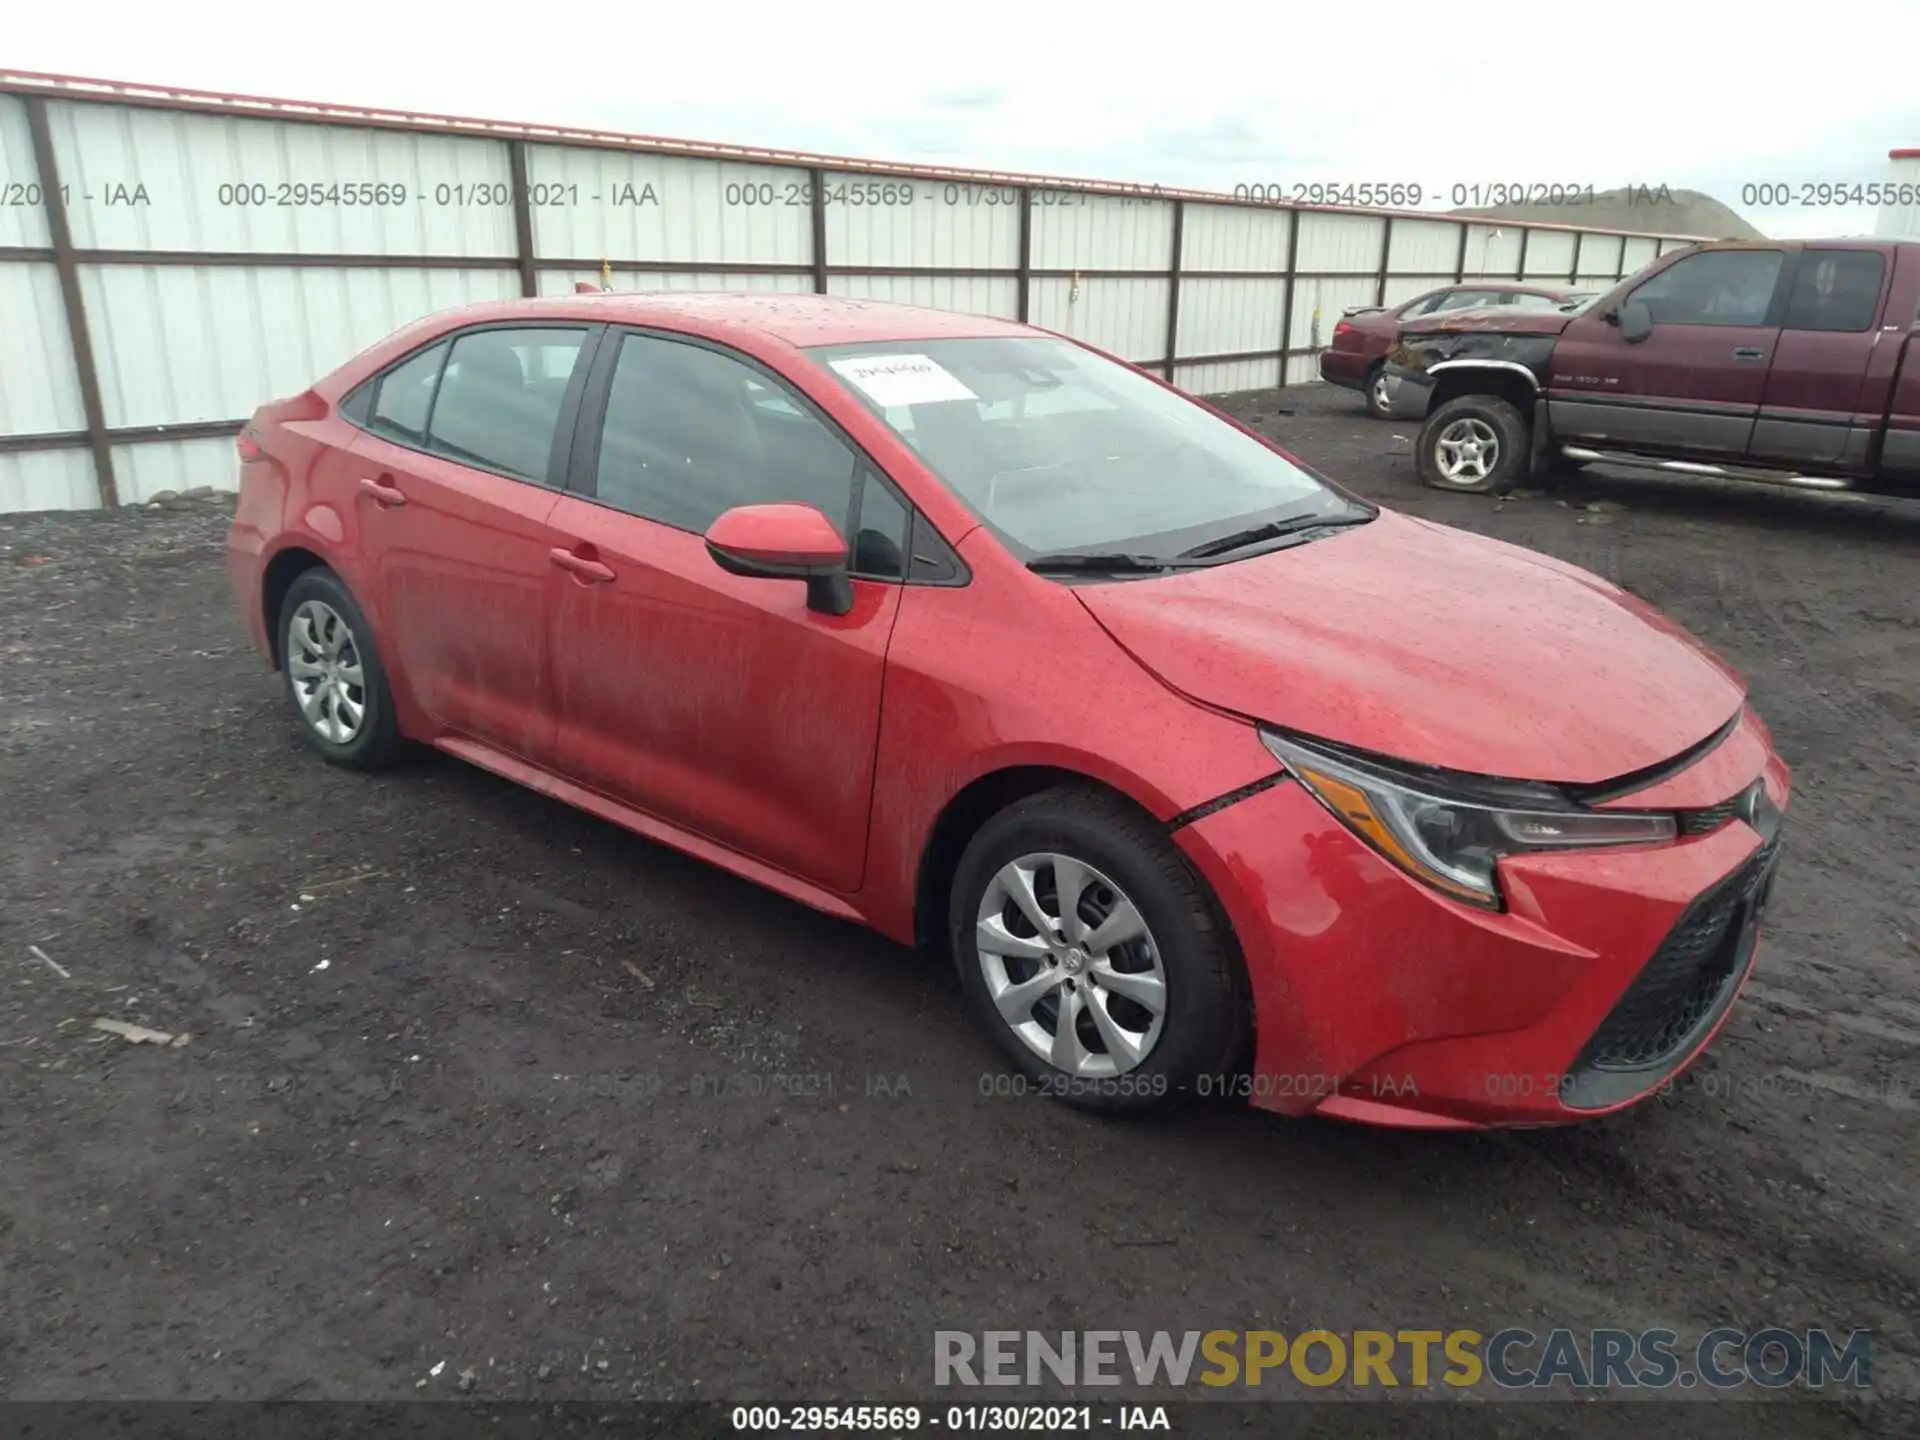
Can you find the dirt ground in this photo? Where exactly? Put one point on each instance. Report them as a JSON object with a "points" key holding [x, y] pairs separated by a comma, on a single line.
{"points": [[474, 1078]]}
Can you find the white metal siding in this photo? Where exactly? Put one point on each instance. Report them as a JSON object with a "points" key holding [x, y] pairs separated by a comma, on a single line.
{"points": [[1100, 232], [1599, 257], [562, 282], [1897, 221], [968, 294], [1549, 255], [1226, 377], [1424, 247], [1127, 318], [22, 219], [1493, 251], [1640, 253], [1230, 317], [180, 343], [620, 205], [39, 389], [49, 480], [1349, 244], [107, 154], [1227, 237], [1318, 306], [942, 227], [145, 470]]}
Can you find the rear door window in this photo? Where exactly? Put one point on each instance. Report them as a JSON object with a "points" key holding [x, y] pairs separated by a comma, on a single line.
{"points": [[406, 396], [500, 398], [1836, 290]]}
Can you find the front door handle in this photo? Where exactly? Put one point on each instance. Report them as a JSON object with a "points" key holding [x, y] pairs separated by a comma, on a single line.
{"points": [[591, 571], [384, 492], [1748, 352]]}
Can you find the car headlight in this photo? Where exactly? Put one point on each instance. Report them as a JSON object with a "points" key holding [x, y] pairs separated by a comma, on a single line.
{"points": [[1450, 832]]}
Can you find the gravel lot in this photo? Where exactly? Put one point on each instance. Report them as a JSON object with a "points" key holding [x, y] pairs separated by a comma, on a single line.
{"points": [[450, 1088]]}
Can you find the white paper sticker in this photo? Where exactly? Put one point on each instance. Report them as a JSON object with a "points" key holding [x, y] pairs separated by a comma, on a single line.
{"points": [[902, 380]]}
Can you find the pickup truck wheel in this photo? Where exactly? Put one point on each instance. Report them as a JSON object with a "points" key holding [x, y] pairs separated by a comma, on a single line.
{"points": [[1378, 405], [1476, 444]]}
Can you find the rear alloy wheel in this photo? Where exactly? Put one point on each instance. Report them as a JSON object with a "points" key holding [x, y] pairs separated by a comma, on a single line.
{"points": [[1090, 951], [1379, 404], [333, 674], [1476, 444]]}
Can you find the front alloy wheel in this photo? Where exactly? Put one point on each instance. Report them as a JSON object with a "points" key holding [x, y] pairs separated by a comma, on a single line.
{"points": [[1071, 966], [1092, 953]]}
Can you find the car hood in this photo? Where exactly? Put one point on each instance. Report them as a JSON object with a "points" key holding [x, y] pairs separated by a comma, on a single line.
{"points": [[1425, 643], [1503, 319]]}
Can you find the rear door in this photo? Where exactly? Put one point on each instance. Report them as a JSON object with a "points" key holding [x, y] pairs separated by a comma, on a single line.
{"points": [[1815, 411], [462, 446], [1694, 386]]}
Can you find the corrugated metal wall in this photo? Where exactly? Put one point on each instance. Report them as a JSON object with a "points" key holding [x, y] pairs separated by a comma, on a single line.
{"points": [[222, 251]]}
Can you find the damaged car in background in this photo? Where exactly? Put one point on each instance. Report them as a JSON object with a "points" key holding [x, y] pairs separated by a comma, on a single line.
{"points": [[1783, 362]]}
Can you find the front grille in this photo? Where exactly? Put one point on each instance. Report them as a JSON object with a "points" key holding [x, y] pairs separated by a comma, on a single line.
{"points": [[1708, 817], [1688, 977]]}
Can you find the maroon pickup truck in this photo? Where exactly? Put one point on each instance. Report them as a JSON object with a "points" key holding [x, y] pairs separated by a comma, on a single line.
{"points": [[1788, 362]]}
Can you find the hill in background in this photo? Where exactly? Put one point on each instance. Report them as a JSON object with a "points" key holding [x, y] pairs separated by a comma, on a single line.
{"points": [[1669, 212]]}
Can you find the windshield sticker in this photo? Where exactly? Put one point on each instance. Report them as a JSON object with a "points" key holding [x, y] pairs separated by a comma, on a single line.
{"points": [[892, 380]]}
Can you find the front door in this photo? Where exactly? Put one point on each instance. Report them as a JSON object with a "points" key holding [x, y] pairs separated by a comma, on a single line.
{"points": [[716, 702], [1693, 386], [456, 491]]}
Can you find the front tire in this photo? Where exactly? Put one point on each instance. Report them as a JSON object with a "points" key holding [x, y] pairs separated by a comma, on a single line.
{"points": [[1474, 444], [1125, 1000], [335, 683]]}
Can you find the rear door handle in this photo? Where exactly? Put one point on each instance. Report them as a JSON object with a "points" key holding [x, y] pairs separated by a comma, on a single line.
{"points": [[384, 493], [1748, 352], [592, 571]]}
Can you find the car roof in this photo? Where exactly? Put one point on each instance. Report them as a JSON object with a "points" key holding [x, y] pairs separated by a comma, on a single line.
{"points": [[798, 320]]}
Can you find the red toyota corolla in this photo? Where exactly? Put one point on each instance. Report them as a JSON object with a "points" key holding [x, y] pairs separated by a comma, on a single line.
{"points": [[1212, 777]]}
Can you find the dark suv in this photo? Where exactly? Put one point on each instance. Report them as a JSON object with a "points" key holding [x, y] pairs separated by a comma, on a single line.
{"points": [[1790, 362], [1358, 352]]}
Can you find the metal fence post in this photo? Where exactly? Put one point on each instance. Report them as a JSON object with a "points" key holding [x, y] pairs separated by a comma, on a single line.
{"points": [[1286, 301], [79, 336], [1520, 270], [1023, 280], [1386, 256], [818, 179], [1460, 260], [1173, 286], [522, 216]]}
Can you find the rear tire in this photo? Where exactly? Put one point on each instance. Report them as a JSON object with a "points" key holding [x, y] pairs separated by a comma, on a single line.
{"points": [[1474, 444], [335, 683], [1374, 393], [1144, 969]]}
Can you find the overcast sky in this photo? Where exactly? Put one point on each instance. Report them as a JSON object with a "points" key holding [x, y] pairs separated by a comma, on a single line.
{"points": [[1682, 93]]}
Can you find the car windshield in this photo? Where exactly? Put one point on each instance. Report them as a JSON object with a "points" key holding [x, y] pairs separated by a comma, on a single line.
{"points": [[1574, 304], [1058, 449]]}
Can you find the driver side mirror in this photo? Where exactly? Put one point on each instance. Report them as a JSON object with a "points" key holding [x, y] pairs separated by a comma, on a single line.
{"points": [[785, 542], [1635, 321]]}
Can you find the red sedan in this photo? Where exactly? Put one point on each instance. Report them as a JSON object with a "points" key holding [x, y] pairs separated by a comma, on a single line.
{"points": [[1363, 336], [1212, 777]]}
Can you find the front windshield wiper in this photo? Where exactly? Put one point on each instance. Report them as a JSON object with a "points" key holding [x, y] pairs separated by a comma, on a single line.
{"points": [[1273, 530], [1107, 562]]}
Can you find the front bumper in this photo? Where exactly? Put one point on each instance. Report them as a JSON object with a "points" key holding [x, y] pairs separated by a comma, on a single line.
{"points": [[1377, 999]]}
